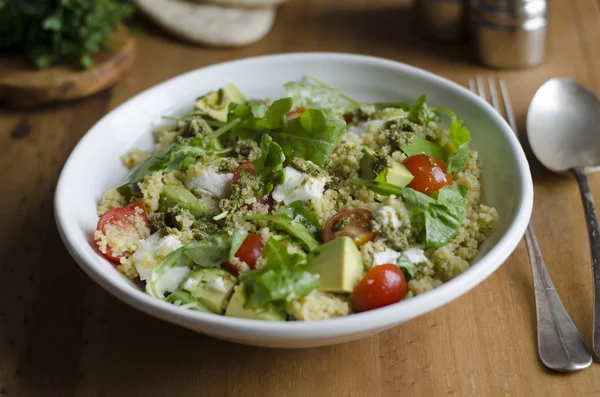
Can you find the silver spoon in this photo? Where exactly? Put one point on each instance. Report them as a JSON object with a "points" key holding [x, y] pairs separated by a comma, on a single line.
{"points": [[563, 127]]}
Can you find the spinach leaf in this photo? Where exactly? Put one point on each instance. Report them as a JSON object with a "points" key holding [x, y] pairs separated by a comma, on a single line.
{"points": [[184, 299], [268, 168], [298, 220], [312, 136], [407, 267], [442, 213], [210, 252], [423, 146], [282, 279]]}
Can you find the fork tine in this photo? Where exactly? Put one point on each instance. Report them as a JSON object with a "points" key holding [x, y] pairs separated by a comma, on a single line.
{"points": [[472, 86], [507, 106], [481, 88], [494, 94]]}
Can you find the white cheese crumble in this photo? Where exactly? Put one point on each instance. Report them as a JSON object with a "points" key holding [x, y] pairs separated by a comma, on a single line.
{"points": [[298, 186], [387, 256], [190, 284], [415, 255], [362, 128], [152, 249], [218, 285], [388, 216], [210, 183], [170, 280]]}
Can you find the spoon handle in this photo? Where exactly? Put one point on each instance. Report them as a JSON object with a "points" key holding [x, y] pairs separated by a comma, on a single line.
{"points": [[594, 233], [560, 345]]}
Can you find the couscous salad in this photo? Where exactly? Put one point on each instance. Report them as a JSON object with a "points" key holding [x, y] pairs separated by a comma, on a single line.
{"points": [[308, 207]]}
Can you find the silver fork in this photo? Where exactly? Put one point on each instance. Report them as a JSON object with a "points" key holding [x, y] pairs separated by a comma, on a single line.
{"points": [[560, 345]]}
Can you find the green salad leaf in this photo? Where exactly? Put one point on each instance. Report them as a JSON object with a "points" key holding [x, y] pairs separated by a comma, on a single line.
{"points": [[312, 95], [442, 213], [421, 113], [423, 146], [282, 279], [312, 136], [460, 138], [407, 267], [184, 299], [298, 221], [268, 168], [379, 185], [210, 252], [177, 155]]}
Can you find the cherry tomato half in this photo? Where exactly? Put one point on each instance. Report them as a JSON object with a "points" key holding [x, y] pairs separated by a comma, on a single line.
{"points": [[296, 112], [381, 286], [351, 223], [123, 218], [248, 166], [249, 252], [429, 173]]}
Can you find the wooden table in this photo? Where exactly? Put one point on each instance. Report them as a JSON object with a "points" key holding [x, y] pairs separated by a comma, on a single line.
{"points": [[62, 335]]}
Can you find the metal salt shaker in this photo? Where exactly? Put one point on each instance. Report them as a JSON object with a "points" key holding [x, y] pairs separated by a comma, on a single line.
{"points": [[509, 33]]}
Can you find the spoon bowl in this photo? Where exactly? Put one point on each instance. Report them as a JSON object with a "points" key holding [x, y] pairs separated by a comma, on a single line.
{"points": [[563, 126]]}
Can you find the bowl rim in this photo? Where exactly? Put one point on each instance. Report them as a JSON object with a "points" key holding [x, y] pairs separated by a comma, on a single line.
{"points": [[355, 323]]}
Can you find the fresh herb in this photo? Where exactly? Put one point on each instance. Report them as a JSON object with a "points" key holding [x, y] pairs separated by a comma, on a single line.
{"points": [[210, 252], [297, 220], [282, 279], [407, 267], [315, 94], [268, 168], [442, 213], [185, 300], [423, 146], [54, 31]]}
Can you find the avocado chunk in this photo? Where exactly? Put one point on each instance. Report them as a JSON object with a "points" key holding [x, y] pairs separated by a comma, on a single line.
{"points": [[212, 287], [374, 163], [236, 308], [216, 103], [338, 264], [178, 195]]}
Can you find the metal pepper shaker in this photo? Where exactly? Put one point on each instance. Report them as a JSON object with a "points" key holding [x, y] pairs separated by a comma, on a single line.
{"points": [[509, 33]]}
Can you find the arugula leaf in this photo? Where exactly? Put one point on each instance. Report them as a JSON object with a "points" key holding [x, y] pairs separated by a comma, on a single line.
{"points": [[210, 252], [383, 105], [342, 95], [442, 213], [268, 168], [184, 299], [460, 138], [312, 136], [423, 146], [299, 213], [298, 220], [407, 267], [379, 185], [282, 279], [421, 113], [175, 156]]}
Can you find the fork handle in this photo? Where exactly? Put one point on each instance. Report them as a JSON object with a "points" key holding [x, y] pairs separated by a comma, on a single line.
{"points": [[560, 345], [594, 233]]}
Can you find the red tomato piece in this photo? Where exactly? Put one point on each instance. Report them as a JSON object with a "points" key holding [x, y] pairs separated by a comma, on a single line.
{"points": [[248, 166], [352, 223], [429, 173], [249, 252], [123, 218], [383, 285]]}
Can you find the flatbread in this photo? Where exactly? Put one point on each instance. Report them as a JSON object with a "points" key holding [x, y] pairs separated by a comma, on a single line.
{"points": [[209, 24], [243, 3]]}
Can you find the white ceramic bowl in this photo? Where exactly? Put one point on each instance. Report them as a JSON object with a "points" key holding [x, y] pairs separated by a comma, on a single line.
{"points": [[94, 166]]}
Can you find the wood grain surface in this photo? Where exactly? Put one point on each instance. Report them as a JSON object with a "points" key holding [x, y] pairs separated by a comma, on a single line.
{"points": [[62, 335]]}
